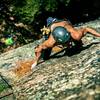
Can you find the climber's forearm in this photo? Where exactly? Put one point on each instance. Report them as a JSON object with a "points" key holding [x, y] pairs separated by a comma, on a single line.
{"points": [[39, 49], [92, 31], [46, 44]]}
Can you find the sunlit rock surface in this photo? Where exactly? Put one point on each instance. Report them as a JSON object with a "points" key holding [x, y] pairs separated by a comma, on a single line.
{"points": [[69, 75]]}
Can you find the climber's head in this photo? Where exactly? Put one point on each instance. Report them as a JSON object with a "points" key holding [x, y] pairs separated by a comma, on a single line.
{"points": [[61, 35], [50, 20]]}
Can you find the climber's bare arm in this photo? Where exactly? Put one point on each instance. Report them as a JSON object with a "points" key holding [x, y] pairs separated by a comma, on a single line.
{"points": [[46, 44], [38, 50], [90, 31]]}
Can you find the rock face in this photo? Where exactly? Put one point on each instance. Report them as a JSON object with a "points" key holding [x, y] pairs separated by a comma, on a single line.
{"points": [[68, 75]]}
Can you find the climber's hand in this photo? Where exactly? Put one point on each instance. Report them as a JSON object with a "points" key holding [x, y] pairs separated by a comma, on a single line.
{"points": [[34, 64]]}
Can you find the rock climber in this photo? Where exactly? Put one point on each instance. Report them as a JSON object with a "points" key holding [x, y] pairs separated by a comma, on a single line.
{"points": [[61, 32]]}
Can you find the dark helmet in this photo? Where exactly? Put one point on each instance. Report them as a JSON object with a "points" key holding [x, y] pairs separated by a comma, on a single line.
{"points": [[60, 34], [50, 20]]}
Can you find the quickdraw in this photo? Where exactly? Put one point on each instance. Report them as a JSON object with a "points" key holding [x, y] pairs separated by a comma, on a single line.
{"points": [[45, 32]]}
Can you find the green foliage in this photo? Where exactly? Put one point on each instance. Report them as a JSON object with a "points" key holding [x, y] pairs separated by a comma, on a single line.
{"points": [[3, 86], [52, 5], [49, 5], [26, 9]]}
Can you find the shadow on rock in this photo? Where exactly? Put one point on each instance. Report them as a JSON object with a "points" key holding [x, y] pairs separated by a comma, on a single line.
{"points": [[72, 51]]}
